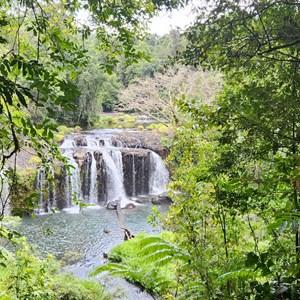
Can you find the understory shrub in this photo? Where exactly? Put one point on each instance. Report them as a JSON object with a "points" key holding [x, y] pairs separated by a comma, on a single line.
{"points": [[25, 276]]}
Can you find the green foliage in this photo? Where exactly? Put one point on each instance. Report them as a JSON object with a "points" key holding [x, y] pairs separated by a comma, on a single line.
{"points": [[235, 163], [158, 127], [23, 275], [147, 260], [71, 288], [117, 121]]}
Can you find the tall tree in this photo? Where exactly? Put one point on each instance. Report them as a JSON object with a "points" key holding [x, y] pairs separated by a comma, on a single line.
{"points": [[255, 125]]}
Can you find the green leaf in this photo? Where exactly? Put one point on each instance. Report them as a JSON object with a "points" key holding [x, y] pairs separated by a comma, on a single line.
{"points": [[21, 98]]}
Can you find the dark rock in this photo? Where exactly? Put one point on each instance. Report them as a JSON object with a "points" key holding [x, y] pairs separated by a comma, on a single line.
{"points": [[129, 206], [79, 157], [101, 178], [161, 199], [111, 206], [81, 141], [105, 255], [136, 170]]}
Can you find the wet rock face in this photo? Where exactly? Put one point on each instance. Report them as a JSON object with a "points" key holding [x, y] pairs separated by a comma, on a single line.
{"points": [[136, 171], [61, 197], [161, 199], [85, 175], [101, 178], [144, 140], [80, 142], [79, 157]]}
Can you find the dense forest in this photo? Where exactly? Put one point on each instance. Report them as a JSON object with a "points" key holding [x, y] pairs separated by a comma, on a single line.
{"points": [[226, 88]]}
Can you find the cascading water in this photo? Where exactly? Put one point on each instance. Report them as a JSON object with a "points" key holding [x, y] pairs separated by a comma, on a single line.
{"points": [[41, 188], [104, 169], [159, 175], [73, 179], [114, 171], [46, 190], [94, 187]]}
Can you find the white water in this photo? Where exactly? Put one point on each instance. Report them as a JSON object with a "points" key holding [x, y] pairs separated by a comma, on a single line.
{"points": [[159, 175], [93, 190], [114, 171], [41, 188], [73, 188], [82, 179]]}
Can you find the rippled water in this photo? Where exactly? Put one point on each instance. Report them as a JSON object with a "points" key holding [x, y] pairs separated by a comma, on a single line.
{"points": [[90, 233]]}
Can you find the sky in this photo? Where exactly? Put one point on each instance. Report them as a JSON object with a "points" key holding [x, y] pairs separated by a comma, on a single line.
{"points": [[163, 23]]}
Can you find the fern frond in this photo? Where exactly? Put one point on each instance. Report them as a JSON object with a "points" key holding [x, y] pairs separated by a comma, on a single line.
{"points": [[112, 267], [191, 292], [238, 274], [160, 251]]}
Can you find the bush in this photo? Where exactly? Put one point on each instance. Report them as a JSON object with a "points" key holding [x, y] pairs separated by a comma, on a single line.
{"points": [[68, 287], [62, 129], [23, 275], [129, 119], [35, 160]]}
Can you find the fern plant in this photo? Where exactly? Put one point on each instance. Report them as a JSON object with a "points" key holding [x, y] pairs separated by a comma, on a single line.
{"points": [[147, 260]]}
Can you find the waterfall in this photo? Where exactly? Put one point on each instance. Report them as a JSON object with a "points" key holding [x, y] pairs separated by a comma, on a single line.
{"points": [[114, 171], [104, 168], [46, 190], [52, 190], [40, 186], [93, 196], [73, 188], [133, 177], [159, 175]]}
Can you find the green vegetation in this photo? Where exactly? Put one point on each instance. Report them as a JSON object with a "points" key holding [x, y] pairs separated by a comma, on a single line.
{"points": [[235, 158], [53, 71], [234, 153], [116, 121], [23, 275], [132, 261]]}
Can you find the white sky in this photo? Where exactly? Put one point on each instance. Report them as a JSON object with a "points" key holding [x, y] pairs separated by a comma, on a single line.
{"points": [[163, 23]]}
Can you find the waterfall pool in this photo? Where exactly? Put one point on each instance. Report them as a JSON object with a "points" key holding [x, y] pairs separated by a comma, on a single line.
{"points": [[107, 165], [87, 235]]}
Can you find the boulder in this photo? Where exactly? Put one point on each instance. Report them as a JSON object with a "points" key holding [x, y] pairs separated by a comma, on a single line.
{"points": [[81, 141], [129, 206], [161, 199], [112, 205], [79, 157]]}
